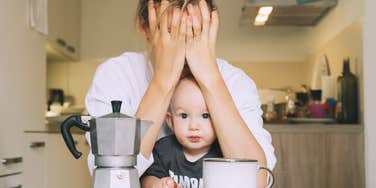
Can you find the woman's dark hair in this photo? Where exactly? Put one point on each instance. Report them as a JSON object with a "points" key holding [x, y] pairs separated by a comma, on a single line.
{"points": [[142, 9]]}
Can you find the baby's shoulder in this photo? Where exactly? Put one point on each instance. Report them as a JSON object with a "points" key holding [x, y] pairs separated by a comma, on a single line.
{"points": [[166, 144]]}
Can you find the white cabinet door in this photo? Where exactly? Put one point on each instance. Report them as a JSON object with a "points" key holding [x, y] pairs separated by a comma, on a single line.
{"points": [[64, 17], [34, 173], [63, 169]]}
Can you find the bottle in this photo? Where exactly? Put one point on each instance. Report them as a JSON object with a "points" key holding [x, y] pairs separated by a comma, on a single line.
{"points": [[290, 105], [348, 108], [270, 113]]}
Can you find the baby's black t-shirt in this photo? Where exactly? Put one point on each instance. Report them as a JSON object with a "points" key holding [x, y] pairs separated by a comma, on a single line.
{"points": [[169, 161]]}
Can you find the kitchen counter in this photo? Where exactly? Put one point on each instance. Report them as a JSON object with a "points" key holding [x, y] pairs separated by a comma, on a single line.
{"points": [[52, 126], [314, 128]]}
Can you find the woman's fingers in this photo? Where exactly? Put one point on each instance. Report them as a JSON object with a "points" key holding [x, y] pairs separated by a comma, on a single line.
{"points": [[196, 23], [168, 182], [183, 26], [163, 16], [152, 16], [214, 27], [176, 17], [189, 30], [205, 15]]}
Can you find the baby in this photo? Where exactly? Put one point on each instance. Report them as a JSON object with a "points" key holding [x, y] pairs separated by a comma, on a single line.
{"points": [[178, 158]]}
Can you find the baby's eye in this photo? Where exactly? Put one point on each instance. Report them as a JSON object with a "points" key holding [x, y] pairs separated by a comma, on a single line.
{"points": [[183, 115], [205, 115]]}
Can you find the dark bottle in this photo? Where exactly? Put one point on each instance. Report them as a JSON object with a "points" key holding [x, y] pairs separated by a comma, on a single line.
{"points": [[348, 105]]}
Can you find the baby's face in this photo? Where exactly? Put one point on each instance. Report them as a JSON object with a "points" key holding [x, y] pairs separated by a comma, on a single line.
{"points": [[189, 118]]}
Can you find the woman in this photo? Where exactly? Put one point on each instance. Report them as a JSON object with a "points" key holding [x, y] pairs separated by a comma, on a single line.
{"points": [[145, 81]]}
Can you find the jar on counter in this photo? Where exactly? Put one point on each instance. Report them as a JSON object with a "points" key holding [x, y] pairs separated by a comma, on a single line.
{"points": [[316, 108]]}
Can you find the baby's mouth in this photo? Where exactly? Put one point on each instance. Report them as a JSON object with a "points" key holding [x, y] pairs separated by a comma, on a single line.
{"points": [[194, 138]]}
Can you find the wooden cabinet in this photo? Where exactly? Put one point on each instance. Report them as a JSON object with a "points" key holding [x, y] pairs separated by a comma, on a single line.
{"points": [[64, 22], [318, 156], [48, 163]]}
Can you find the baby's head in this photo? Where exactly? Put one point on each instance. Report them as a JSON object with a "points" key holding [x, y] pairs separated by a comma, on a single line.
{"points": [[189, 118]]}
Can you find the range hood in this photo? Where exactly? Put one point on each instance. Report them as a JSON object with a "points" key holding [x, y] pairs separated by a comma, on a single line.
{"points": [[287, 12]]}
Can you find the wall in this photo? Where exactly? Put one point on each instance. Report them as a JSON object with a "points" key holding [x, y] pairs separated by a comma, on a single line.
{"points": [[344, 14], [275, 74], [108, 28], [370, 92]]}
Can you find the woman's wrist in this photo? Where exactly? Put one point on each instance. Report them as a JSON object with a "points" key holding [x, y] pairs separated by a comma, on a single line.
{"points": [[209, 80], [165, 83]]}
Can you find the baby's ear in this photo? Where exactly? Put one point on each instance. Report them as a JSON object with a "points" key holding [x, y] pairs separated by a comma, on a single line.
{"points": [[169, 121]]}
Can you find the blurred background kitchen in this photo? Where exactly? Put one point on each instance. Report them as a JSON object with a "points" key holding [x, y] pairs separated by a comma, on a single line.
{"points": [[311, 60]]}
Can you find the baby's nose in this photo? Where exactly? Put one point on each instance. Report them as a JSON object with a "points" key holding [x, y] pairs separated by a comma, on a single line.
{"points": [[194, 125]]}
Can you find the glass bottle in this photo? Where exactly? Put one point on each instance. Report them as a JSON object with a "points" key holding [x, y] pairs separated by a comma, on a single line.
{"points": [[348, 108]]}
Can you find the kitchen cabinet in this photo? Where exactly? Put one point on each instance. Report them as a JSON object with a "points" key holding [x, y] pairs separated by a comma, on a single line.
{"points": [[63, 169], [64, 22], [11, 181], [318, 156], [34, 160], [48, 162]]}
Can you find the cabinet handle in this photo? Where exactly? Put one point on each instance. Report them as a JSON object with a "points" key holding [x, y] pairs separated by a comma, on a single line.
{"points": [[37, 145], [8, 161], [61, 42], [17, 186], [71, 49], [11, 174]]}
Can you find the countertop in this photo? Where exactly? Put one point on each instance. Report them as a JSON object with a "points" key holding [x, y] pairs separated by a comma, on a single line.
{"points": [[272, 128], [312, 128], [52, 126]]}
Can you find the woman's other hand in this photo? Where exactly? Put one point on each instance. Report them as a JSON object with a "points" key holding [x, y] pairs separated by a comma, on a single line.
{"points": [[202, 29], [168, 42], [167, 182], [154, 182]]}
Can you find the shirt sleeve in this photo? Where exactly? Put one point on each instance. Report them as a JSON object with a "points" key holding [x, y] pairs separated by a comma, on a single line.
{"points": [[157, 169], [244, 93]]}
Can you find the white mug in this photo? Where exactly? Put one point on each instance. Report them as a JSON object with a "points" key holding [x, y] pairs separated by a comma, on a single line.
{"points": [[226, 173]]}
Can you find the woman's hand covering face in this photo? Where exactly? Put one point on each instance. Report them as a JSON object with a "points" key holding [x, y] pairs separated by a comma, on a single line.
{"points": [[202, 29], [167, 42], [178, 35]]}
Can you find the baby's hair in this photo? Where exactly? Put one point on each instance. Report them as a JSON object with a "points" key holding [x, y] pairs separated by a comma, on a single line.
{"points": [[143, 15], [186, 75]]}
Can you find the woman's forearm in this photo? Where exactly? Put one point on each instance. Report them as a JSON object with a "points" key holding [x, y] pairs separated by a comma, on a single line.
{"points": [[235, 138], [232, 132], [153, 107]]}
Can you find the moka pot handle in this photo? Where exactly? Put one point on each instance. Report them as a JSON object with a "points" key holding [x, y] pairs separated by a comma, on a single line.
{"points": [[65, 127]]}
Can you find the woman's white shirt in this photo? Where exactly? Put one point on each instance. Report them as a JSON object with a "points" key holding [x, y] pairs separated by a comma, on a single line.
{"points": [[127, 77]]}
